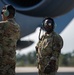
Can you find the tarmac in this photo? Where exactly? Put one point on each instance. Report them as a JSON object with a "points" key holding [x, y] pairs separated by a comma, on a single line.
{"points": [[34, 69]]}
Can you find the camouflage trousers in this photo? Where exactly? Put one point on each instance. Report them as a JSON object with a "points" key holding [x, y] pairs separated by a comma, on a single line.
{"points": [[41, 66], [7, 62], [40, 72], [53, 73]]}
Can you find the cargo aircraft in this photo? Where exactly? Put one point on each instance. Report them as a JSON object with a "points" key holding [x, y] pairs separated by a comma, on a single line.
{"points": [[30, 13]]}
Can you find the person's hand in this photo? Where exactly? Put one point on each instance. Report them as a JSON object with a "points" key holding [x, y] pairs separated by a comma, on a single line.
{"points": [[52, 63], [50, 67], [47, 69]]}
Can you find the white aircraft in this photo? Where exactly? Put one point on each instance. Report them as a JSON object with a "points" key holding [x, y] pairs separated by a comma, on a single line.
{"points": [[68, 37], [30, 13]]}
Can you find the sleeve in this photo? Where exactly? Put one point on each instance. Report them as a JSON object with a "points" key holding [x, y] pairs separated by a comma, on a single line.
{"points": [[18, 32], [57, 46]]}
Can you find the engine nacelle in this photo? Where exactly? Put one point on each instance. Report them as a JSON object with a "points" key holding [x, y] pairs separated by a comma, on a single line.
{"points": [[42, 8]]}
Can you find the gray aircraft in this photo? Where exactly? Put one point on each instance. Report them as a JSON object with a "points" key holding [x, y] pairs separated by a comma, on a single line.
{"points": [[30, 13]]}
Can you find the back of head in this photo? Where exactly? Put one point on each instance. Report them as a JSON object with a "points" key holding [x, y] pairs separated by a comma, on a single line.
{"points": [[9, 10]]}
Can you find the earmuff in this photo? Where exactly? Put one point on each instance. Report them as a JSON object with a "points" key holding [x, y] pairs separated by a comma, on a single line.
{"points": [[6, 13]]}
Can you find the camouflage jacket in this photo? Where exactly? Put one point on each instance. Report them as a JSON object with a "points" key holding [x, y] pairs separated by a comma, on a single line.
{"points": [[49, 46], [9, 34]]}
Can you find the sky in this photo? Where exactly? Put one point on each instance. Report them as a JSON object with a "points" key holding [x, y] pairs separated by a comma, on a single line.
{"points": [[67, 35]]}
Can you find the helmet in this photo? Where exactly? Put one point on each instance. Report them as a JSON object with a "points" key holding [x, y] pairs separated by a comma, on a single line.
{"points": [[48, 24]]}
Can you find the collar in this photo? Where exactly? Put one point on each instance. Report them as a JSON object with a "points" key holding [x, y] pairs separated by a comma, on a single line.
{"points": [[11, 19], [49, 34]]}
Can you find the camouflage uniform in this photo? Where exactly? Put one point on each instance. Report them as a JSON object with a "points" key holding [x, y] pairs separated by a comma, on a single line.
{"points": [[9, 34], [49, 46]]}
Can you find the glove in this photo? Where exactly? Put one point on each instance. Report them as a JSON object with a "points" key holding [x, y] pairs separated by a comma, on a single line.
{"points": [[50, 67], [47, 69]]}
